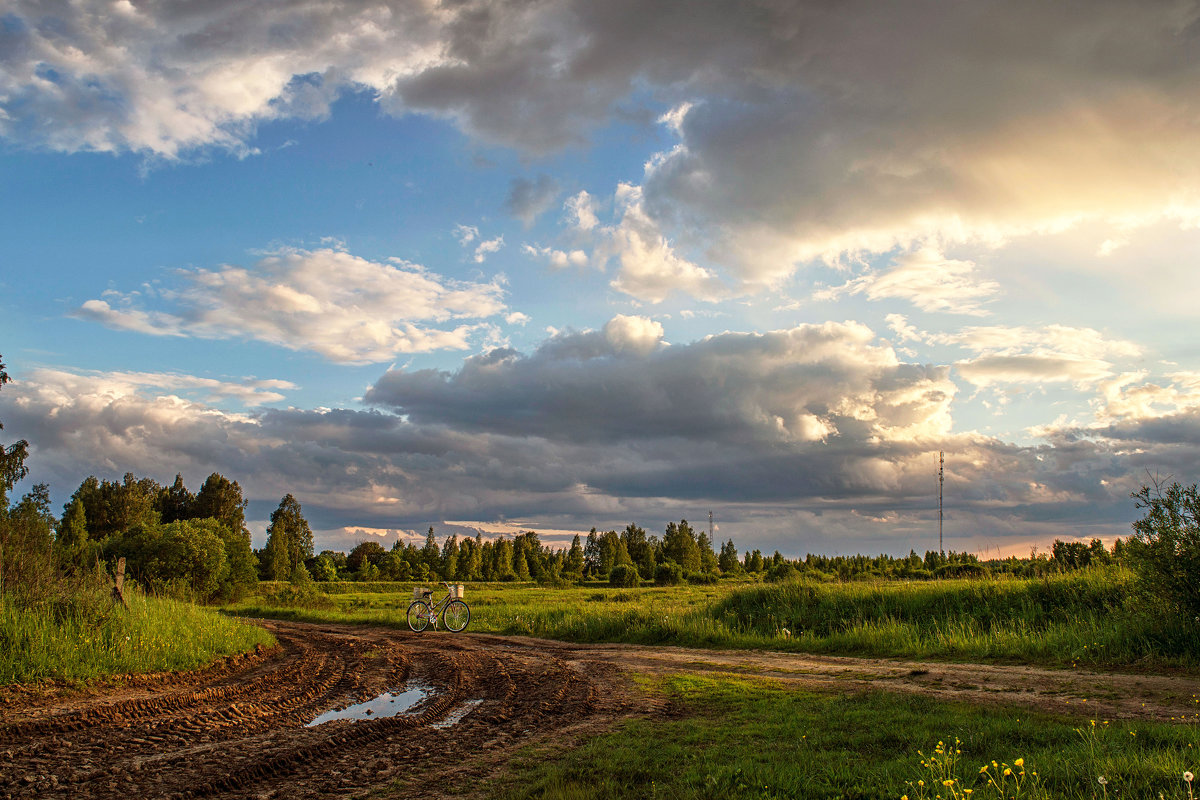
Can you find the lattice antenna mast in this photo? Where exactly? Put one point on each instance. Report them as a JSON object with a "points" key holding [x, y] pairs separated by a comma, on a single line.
{"points": [[941, 482], [712, 534]]}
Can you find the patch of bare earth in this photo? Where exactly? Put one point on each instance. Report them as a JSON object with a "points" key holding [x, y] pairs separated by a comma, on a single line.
{"points": [[239, 728]]}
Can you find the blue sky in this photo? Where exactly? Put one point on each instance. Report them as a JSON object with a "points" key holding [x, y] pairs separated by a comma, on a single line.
{"points": [[553, 265]]}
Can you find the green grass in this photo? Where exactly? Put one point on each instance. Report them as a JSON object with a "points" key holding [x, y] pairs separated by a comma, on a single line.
{"points": [[747, 738], [87, 636], [1086, 618]]}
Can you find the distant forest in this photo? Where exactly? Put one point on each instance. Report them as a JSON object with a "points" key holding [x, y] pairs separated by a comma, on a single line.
{"points": [[198, 545]]}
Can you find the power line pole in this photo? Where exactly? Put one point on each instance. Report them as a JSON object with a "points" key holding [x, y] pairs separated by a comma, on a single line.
{"points": [[711, 533], [941, 481]]}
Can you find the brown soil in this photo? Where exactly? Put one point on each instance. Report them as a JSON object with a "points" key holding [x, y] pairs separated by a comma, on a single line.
{"points": [[237, 729]]}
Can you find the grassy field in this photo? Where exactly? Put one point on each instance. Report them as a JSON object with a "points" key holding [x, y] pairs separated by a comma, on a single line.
{"points": [[1090, 617], [745, 738], [89, 636]]}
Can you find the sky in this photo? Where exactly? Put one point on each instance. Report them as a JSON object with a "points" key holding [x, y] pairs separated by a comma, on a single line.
{"points": [[550, 265]]}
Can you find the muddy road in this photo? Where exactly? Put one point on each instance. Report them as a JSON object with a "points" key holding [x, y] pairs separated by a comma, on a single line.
{"points": [[241, 728]]}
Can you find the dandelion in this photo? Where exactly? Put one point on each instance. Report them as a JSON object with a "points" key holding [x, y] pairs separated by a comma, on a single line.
{"points": [[1103, 781], [1020, 762], [1187, 776], [948, 782]]}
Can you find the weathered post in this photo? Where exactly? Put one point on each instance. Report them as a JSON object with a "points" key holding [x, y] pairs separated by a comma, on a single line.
{"points": [[119, 583]]}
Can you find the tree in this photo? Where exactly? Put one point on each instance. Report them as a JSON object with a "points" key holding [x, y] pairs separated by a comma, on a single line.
{"points": [[12, 458], [728, 560], [573, 565], [289, 539], [175, 503], [708, 559], [221, 499], [367, 552], [640, 548], [112, 508], [324, 569], [679, 545], [1165, 545], [431, 554]]}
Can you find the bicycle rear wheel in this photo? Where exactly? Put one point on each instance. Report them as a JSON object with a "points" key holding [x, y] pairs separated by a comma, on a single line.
{"points": [[418, 615], [457, 615]]}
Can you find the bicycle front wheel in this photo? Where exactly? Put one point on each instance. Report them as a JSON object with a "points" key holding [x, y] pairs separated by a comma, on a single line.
{"points": [[418, 615], [456, 616]]}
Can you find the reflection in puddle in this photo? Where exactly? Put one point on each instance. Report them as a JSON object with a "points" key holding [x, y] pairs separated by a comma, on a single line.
{"points": [[388, 704], [455, 716]]}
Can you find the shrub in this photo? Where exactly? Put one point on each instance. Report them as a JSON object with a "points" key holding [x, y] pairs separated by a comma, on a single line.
{"points": [[623, 576], [782, 572], [668, 573], [702, 578], [1165, 546]]}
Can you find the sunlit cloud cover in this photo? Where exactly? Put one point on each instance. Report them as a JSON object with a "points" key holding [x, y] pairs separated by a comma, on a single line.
{"points": [[557, 265]]}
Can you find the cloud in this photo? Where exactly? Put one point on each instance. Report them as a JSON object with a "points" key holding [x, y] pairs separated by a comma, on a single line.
{"points": [[528, 199], [559, 259], [1050, 354], [808, 384], [650, 269], [804, 130], [345, 308], [794, 437], [928, 280], [487, 247], [581, 212]]}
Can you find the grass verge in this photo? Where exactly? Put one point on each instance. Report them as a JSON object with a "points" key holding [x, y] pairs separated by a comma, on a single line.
{"points": [[749, 738], [1088, 618], [87, 636]]}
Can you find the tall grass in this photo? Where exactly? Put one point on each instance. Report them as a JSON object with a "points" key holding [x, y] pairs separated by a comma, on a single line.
{"points": [[1091, 617], [85, 635], [1088, 617]]}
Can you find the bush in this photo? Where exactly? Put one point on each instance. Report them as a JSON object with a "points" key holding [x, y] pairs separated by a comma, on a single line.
{"points": [[702, 578], [782, 572], [624, 576], [1165, 546], [668, 573]]}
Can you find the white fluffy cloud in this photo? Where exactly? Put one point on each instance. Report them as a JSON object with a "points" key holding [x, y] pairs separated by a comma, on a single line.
{"points": [[1050, 354], [928, 280], [805, 130], [346, 308]]}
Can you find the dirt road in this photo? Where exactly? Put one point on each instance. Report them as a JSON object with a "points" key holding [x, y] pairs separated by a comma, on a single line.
{"points": [[240, 729]]}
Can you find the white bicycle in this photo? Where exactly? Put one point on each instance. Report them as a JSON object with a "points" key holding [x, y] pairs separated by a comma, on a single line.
{"points": [[454, 612]]}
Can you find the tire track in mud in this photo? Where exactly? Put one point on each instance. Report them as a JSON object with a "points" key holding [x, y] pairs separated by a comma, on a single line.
{"points": [[239, 730]]}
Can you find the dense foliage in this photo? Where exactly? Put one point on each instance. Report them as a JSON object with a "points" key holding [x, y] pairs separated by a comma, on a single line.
{"points": [[1166, 546]]}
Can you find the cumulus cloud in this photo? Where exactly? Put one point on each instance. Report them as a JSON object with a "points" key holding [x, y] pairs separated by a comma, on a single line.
{"points": [[527, 199], [1051, 354], [650, 268], [928, 280], [804, 385], [795, 436], [581, 211], [805, 130], [346, 308]]}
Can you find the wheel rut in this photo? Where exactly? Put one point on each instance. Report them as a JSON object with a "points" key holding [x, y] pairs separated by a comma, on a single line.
{"points": [[240, 728]]}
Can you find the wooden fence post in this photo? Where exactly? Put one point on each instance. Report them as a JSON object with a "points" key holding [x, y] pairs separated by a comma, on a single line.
{"points": [[119, 584]]}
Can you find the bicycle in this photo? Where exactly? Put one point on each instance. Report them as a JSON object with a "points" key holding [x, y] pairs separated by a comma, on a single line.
{"points": [[454, 612]]}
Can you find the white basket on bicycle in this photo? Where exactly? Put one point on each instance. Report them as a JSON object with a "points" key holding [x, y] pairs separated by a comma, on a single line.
{"points": [[456, 591]]}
